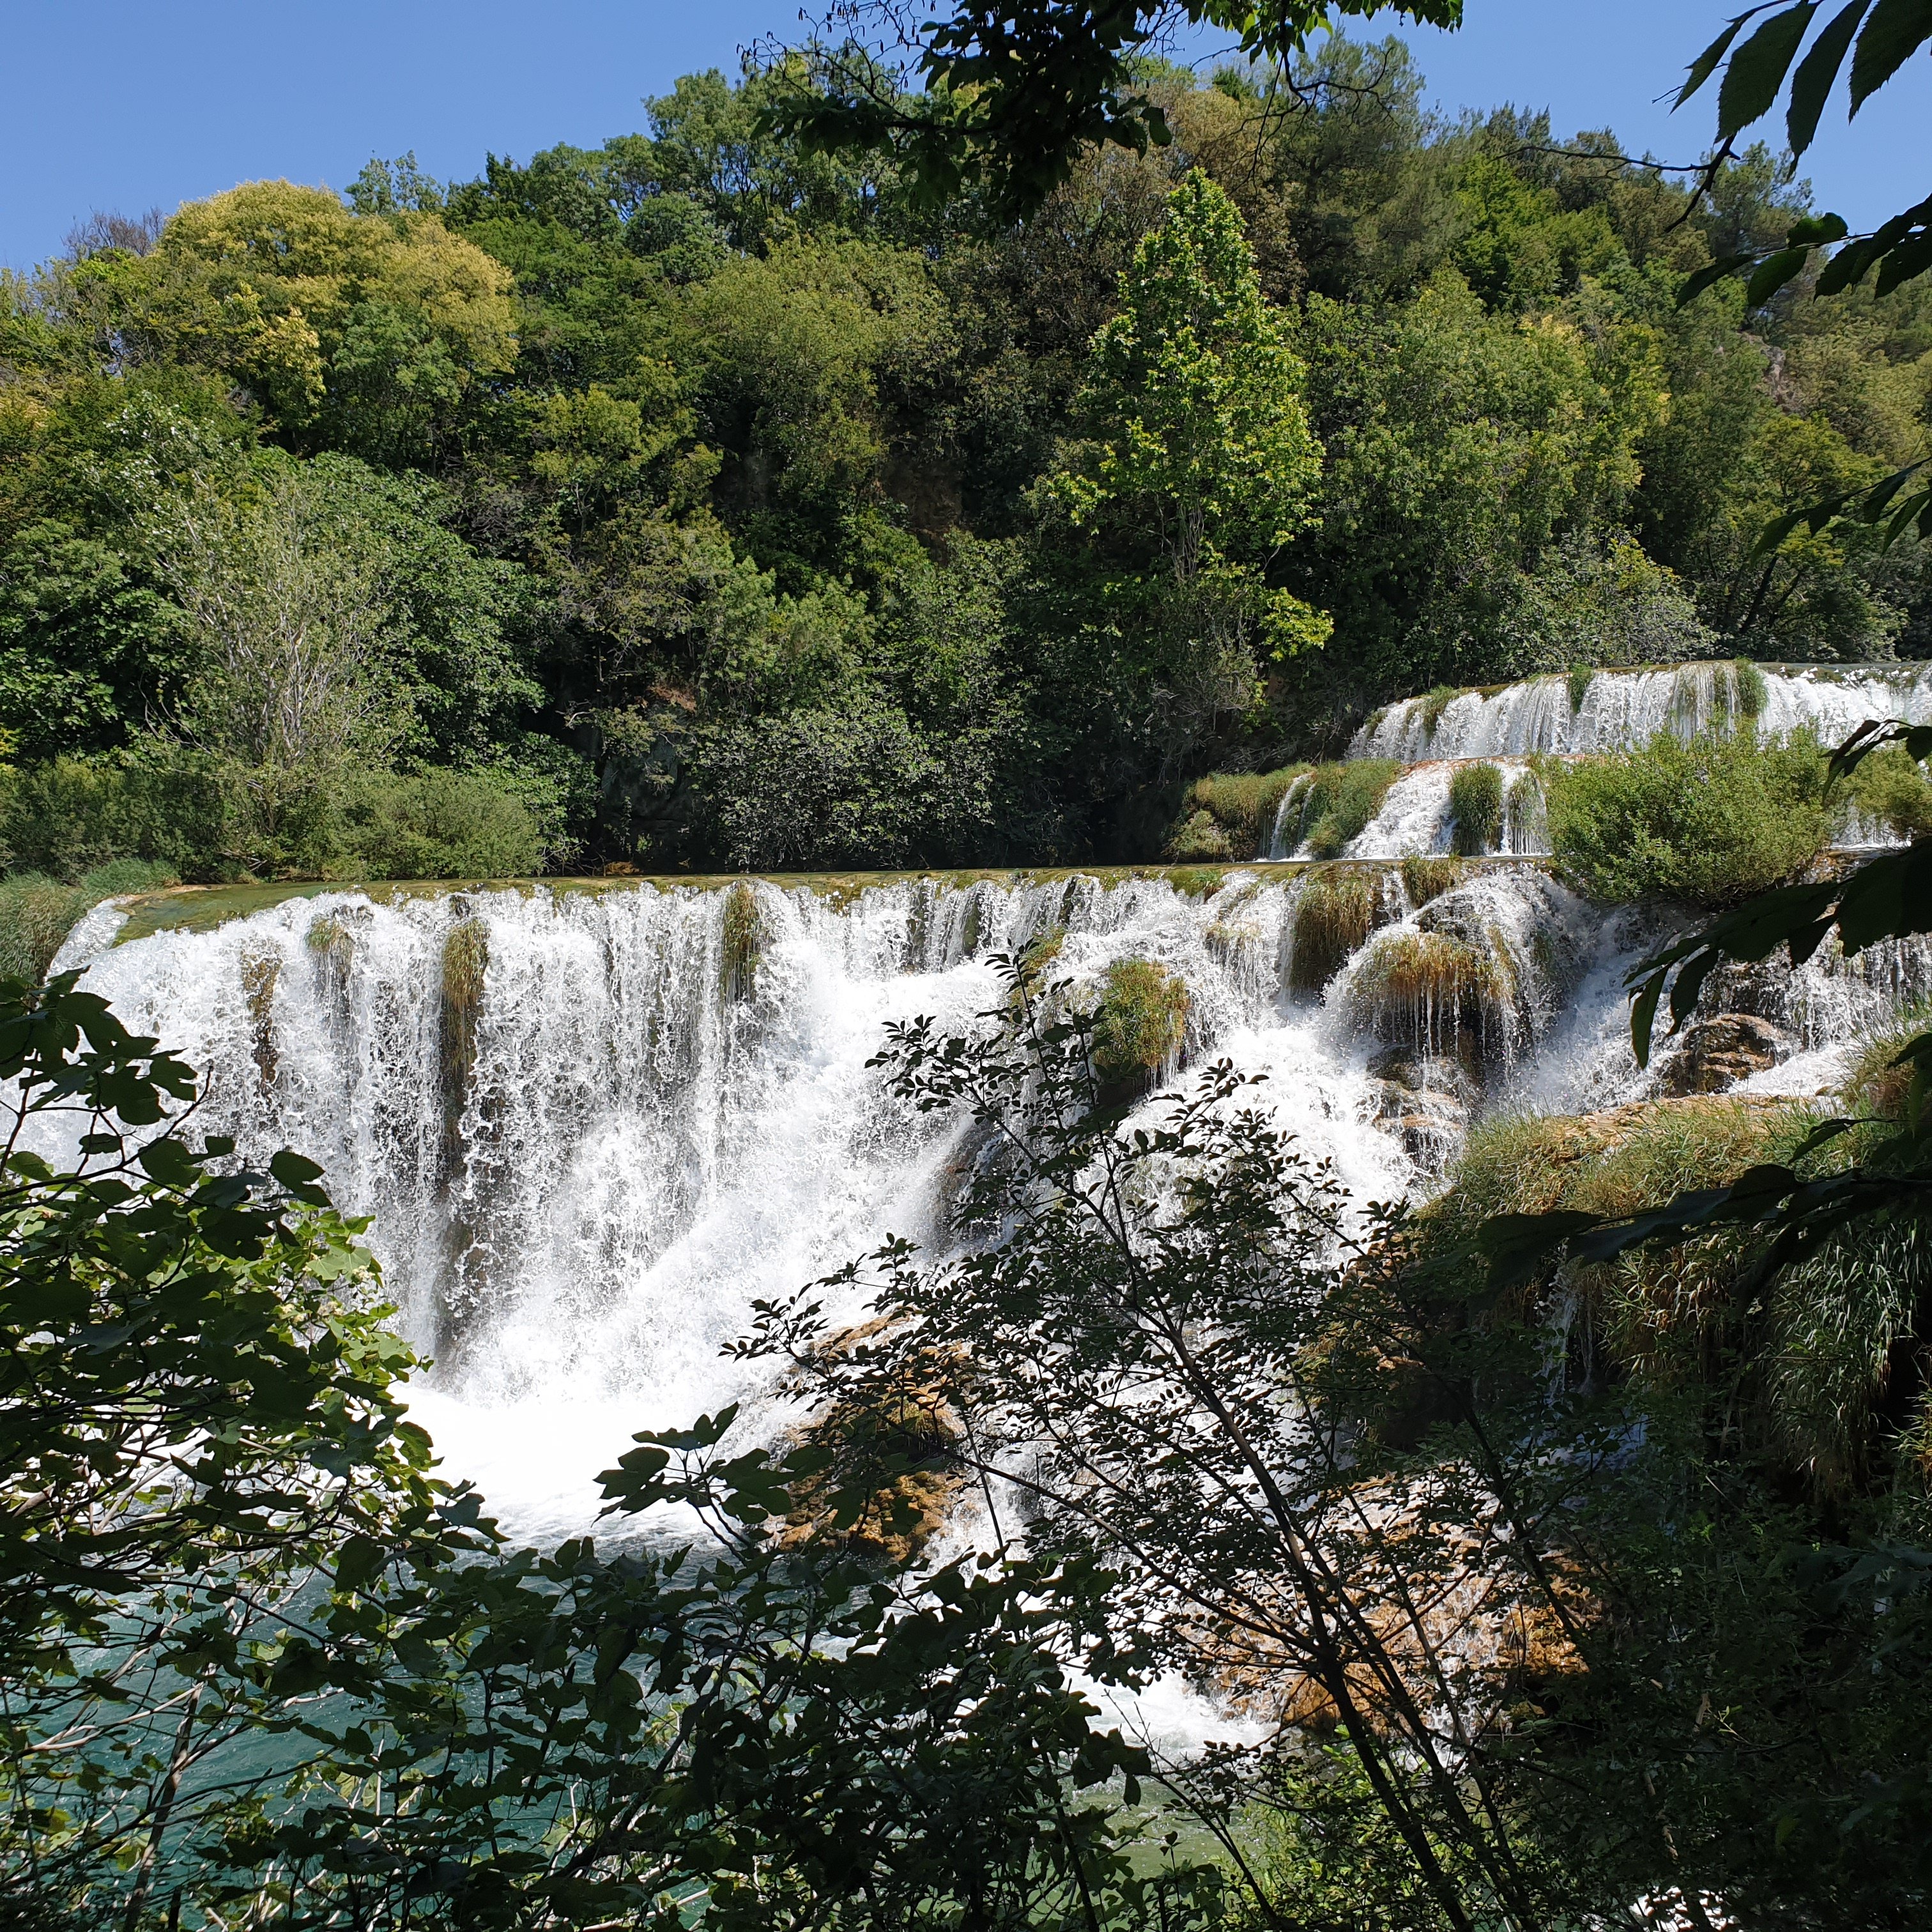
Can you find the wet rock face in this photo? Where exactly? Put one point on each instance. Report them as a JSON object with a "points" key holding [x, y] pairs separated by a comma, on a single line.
{"points": [[1716, 1053], [1423, 1100]]}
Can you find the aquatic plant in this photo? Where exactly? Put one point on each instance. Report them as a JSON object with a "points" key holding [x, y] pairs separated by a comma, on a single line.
{"points": [[466, 962], [1239, 806], [1336, 909], [36, 913], [1338, 800], [1526, 813], [1140, 1024], [739, 944], [1749, 691], [1476, 806], [1579, 677], [1436, 701], [1424, 878], [260, 973], [1434, 991], [1198, 837]]}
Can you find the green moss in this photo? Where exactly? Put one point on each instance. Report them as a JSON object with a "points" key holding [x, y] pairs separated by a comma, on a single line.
{"points": [[1336, 909], [1712, 820], [1580, 677], [1196, 882], [739, 945], [1423, 879], [1476, 805], [1140, 1024], [1339, 799], [260, 973], [1437, 701], [1040, 952]]}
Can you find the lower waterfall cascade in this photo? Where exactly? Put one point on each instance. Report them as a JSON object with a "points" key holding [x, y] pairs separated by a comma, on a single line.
{"points": [[592, 1124]]}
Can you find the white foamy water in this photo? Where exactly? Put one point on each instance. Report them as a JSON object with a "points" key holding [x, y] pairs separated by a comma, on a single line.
{"points": [[1620, 710], [592, 1127]]}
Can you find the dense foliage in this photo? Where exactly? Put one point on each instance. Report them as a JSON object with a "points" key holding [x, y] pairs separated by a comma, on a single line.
{"points": [[713, 497]]}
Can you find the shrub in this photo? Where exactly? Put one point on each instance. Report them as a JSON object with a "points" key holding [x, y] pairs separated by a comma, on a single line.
{"points": [[1476, 807], [170, 809], [1141, 1022], [434, 824], [1338, 800], [1712, 820], [1891, 787], [1240, 806]]}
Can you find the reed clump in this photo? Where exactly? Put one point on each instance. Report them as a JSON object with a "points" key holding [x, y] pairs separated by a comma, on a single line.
{"points": [[1426, 878], [1337, 801], [1433, 991], [1140, 1022], [1337, 908], [1476, 807], [740, 945]]}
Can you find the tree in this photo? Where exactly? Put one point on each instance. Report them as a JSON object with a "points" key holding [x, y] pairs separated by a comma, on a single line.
{"points": [[1009, 95], [1201, 464]]}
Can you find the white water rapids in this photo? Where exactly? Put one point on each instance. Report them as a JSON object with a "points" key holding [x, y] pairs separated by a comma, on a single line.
{"points": [[588, 1142]]}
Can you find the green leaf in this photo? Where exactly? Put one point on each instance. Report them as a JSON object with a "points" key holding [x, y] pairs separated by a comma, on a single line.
{"points": [[1897, 30], [1705, 64], [1771, 275], [1757, 70], [1811, 84], [1709, 275], [1513, 1245], [1906, 261], [1815, 230]]}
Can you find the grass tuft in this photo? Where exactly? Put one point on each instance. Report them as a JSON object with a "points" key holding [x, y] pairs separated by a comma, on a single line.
{"points": [[1476, 807]]}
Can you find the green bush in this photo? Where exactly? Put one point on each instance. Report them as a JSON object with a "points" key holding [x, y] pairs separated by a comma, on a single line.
{"points": [[1199, 839], [434, 824], [1476, 805], [1891, 787], [1240, 806], [1340, 800], [69, 816], [1712, 820]]}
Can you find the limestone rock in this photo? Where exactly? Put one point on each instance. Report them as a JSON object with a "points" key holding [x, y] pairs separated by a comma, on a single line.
{"points": [[1715, 1053]]}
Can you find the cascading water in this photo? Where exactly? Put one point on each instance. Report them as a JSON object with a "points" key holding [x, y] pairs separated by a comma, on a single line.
{"points": [[591, 1126], [1615, 710]]}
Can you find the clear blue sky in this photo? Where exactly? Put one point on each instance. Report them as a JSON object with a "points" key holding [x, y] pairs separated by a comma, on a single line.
{"points": [[119, 106]]}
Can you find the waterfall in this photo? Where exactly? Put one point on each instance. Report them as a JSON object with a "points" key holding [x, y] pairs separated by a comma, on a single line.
{"points": [[592, 1124], [1616, 710]]}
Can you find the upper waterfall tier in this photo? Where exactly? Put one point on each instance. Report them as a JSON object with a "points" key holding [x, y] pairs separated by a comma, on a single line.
{"points": [[1617, 710]]}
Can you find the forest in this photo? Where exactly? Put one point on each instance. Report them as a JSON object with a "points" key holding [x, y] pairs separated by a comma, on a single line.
{"points": [[703, 502]]}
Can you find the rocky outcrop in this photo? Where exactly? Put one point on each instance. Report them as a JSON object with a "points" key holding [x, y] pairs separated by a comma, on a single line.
{"points": [[1715, 1053]]}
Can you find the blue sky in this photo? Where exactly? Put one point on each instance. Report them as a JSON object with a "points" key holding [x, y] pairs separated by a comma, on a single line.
{"points": [[126, 107]]}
